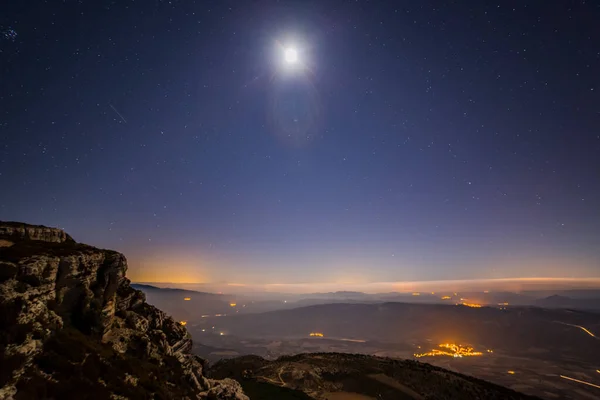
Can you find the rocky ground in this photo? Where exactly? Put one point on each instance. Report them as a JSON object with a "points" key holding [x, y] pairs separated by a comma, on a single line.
{"points": [[72, 327]]}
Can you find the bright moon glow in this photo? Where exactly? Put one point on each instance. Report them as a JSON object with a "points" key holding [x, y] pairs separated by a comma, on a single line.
{"points": [[291, 56]]}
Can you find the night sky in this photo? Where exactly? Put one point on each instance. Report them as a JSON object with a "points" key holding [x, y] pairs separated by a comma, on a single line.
{"points": [[420, 140]]}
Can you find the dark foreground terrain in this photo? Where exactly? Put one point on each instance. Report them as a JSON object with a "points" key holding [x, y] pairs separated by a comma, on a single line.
{"points": [[335, 376]]}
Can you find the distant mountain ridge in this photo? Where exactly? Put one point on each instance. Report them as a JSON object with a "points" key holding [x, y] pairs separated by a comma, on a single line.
{"points": [[146, 287], [588, 299], [184, 304]]}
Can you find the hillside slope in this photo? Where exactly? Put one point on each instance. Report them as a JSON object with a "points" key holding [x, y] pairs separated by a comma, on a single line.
{"points": [[329, 376]]}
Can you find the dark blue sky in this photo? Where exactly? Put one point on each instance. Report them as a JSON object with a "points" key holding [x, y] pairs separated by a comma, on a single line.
{"points": [[420, 140]]}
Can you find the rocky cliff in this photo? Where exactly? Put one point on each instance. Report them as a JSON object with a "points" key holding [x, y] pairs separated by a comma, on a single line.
{"points": [[71, 326]]}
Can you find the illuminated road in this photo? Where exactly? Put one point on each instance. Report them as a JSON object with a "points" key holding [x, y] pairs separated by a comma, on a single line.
{"points": [[351, 340], [580, 327], [578, 381], [320, 335]]}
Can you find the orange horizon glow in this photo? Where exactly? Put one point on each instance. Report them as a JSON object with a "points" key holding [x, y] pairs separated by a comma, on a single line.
{"points": [[408, 287], [478, 280]]}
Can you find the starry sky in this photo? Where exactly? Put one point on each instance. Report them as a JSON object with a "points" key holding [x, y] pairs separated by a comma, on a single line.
{"points": [[412, 141]]}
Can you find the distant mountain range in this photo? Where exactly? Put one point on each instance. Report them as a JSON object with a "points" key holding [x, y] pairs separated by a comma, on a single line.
{"points": [[557, 301], [184, 304], [170, 299], [150, 288]]}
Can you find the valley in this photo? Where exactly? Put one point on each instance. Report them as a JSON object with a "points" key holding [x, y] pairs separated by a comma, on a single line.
{"points": [[547, 353]]}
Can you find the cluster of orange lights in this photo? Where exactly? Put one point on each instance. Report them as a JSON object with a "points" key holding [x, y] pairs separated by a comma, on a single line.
{"points": [[232, 304], [451, 350], [316, 334], [446, 298], [474, 305], [187, 298], [184, 323]]}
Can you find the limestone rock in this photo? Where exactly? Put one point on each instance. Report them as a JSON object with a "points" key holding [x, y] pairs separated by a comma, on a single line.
{"points": [[17, 231], [69, 321], [224, 389]]}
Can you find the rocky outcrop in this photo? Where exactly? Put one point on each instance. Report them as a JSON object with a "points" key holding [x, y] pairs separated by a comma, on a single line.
{"points": [[70, 320], [17, 231]]}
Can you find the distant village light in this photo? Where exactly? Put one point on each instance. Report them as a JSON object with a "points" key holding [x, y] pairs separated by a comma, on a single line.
{"points": [[471, 305], [451, 350]]}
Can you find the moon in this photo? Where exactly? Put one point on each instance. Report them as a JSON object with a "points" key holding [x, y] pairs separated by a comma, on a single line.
{"points": [[291, 56]]}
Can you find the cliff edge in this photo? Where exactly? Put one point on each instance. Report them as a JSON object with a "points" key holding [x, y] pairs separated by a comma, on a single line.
{"points": [[71, 326]]}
